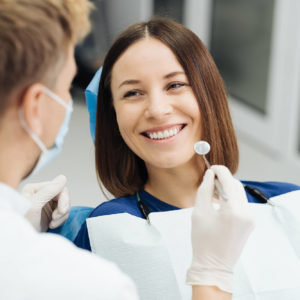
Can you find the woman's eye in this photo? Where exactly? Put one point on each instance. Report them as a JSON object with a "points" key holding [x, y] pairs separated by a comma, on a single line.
{"points": [[132, 94], [175, 85]]}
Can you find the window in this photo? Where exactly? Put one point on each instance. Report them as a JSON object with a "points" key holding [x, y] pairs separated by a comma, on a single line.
{"points": [[172, 9], [241, 46]]}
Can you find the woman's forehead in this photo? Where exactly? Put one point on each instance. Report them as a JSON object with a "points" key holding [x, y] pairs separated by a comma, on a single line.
{"points": [[146, 56]]}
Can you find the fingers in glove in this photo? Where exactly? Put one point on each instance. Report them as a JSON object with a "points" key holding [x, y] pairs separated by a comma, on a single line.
{"points": [[45, 191], [53, 188], [63, 202], [206, 191], [61, 212], [32, 188], [237, 206], [56, 222], [232, 188], [223, 174]]}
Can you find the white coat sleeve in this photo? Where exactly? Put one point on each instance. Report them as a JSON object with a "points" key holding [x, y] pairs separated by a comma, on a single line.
{"points": [[45, 266]]}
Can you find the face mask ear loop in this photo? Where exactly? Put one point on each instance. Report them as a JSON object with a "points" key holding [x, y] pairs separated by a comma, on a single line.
{"points": [[31, 134], [58, 99]]}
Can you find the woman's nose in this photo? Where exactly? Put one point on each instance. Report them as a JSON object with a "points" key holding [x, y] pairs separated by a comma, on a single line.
{"points": [[158, 106]]}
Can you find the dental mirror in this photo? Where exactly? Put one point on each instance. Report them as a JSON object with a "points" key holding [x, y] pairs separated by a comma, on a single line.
{"points": [[203, 148]]}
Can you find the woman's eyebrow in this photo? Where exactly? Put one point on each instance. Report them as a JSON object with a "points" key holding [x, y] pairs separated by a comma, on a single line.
{"points": [[135, 81], [130, 81], [172, 74]]}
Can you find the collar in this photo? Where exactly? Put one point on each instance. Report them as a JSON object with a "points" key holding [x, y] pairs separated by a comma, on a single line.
{"points": [[13, 200], [154, 202]]}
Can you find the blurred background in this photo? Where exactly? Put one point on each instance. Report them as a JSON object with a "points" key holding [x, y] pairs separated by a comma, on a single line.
{"points": [[256, 45]]}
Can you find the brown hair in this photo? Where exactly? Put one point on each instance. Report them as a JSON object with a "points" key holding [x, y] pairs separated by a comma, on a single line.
{"points": [[118, 168], [34, 38]]}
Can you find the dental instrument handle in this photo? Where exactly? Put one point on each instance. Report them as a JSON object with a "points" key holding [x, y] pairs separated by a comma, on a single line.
{"points": [[217, 182], [206, 162]]}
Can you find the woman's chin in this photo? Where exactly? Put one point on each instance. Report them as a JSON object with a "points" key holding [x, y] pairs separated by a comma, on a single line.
{"points": [[167, 163]]}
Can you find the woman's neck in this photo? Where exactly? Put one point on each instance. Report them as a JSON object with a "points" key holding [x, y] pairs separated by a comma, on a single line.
{"points": [[176, 186]]}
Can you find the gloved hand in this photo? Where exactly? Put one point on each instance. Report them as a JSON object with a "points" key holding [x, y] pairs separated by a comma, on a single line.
{"points": [[218, 236], [50, 203]]}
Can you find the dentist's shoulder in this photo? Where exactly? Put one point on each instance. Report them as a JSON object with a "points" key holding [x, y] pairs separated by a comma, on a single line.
{"points": [[46, 266]]}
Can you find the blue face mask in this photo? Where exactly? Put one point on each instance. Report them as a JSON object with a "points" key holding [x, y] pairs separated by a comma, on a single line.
{"points": [[48, 154]]}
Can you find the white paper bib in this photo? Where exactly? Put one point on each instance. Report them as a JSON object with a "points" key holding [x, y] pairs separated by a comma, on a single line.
{"points": [[157, 256]]}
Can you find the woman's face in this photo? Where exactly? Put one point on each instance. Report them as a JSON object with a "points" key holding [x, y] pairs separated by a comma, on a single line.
{"points": [[157, 113]]}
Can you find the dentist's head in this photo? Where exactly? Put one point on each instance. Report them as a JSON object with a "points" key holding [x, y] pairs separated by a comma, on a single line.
{"points": [[37, 68]]}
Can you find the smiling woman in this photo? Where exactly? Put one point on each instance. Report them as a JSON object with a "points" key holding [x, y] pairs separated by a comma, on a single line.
{"points": [[158, 79], [160, 92]]}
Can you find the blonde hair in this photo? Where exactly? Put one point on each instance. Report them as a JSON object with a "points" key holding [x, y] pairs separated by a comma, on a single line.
{"points": [[35, 36]]}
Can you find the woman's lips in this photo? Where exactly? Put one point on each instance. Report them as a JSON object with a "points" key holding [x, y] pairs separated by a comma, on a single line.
{"points": [[164, 132]]}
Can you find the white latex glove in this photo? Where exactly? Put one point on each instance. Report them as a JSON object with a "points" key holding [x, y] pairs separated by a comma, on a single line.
{"points": [[218, 236], [50, 203]]}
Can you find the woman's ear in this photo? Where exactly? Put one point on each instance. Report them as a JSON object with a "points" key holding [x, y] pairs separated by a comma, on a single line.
{"points": [[31, 104]]}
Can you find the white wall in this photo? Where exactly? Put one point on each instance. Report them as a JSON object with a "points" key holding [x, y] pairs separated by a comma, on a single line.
{"points": [[121, 14], [257, 163]]}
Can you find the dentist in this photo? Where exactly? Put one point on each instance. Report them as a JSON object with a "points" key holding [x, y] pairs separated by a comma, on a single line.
{"points": [[37, 40]]}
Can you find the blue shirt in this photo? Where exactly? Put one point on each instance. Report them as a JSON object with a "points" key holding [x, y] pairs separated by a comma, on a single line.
{"points": [[129, 204]]}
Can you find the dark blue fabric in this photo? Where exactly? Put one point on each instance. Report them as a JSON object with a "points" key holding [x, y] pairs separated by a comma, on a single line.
{"points": [[129, 205]]}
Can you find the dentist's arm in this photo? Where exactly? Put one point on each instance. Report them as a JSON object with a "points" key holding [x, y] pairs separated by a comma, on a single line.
{"points": [[218, 236], [50, 203]]}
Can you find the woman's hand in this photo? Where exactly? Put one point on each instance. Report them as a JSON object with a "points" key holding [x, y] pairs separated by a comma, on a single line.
{"points": [[218, 235]]}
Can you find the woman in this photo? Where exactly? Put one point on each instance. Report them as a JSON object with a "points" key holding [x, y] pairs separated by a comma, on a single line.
{"points": [[160, 92]]}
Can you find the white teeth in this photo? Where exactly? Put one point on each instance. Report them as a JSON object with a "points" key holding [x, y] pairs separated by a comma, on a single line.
{"points": [[163, 134]]}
